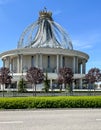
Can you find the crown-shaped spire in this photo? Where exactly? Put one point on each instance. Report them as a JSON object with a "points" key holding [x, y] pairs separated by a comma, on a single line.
{"points": [[45, 14]]}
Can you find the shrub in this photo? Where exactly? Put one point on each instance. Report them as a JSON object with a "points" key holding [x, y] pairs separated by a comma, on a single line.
{"points": [[51, 102], [22, 86]]}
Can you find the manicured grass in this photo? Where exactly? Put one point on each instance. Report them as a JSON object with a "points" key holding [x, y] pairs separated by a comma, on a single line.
{"points": [[51, 102]]}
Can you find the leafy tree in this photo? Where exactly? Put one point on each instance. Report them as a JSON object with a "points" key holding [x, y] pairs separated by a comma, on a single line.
{"points": [[5, 76], [66, 76], [93, 75], [35, 76], [46, 83], [22, 85]]}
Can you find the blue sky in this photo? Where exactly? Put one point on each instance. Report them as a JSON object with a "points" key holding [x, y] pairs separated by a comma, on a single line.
{"points": [[80, 18]]}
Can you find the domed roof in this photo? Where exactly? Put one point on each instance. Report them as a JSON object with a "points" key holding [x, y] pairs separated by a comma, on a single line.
{"points": [[45, 33]]}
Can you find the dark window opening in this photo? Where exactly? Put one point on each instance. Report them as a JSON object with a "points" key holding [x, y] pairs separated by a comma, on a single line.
{"points": [[32, 61], [48, 62]]}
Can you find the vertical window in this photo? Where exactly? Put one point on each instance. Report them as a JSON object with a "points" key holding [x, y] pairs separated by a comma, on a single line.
{"points": [[63, 61], [48, 61], [32, 61]]}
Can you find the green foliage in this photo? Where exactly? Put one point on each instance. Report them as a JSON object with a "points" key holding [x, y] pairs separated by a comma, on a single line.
{"points": [[22, 86], [68, 88], [51, 102], [46, 83]]}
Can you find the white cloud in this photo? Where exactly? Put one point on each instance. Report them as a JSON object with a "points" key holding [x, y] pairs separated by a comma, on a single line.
{"points": [[57, 12], [87, 41], [80, 45]]}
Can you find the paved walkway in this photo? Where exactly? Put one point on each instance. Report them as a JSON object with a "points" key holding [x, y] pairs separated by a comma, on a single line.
{"points": [[53, 119]]}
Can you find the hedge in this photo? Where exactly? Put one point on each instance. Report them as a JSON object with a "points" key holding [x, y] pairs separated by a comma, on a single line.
{"points": [[51, 102]]}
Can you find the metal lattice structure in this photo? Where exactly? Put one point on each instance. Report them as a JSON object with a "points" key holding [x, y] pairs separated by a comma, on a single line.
{"points": [[45, 33]]}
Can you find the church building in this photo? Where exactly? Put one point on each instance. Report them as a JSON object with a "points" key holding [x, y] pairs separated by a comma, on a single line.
{"points": [[46, 45]]}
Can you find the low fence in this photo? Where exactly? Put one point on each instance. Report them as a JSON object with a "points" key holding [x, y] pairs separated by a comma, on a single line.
{"points": [[52, 93]]}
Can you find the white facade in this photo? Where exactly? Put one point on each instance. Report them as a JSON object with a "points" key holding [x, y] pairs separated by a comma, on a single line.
{"points": [[50, 59]]}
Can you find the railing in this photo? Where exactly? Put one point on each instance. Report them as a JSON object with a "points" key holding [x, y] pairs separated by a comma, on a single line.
{"points": [[51, 93]]}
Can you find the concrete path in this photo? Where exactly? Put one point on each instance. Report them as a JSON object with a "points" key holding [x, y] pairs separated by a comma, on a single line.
{"points": [[51, 119]]}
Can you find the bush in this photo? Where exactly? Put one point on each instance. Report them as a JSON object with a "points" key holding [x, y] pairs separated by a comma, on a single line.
{"points": [[46, 83], [51, 102]]}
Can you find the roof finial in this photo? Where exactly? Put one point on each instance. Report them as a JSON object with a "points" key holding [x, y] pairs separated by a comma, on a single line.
{"points": [[45, 9]]}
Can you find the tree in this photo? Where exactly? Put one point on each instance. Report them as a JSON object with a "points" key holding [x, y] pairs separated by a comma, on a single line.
{"points": [[66, 76], [93, 75], [22, 85], [35, 76], [46, 83], [5, 77], [60, 82]]}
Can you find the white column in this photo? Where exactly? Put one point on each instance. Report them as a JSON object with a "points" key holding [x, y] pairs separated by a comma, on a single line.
{"points": [[83, 67], [74, 65], [61, 61], [3, 60], [57, 59], [51, 84], [36, 60], [11, 64], [21, 63], [73, 85], [8, 62], [41, 61], [2, 86], [18, 63]]}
